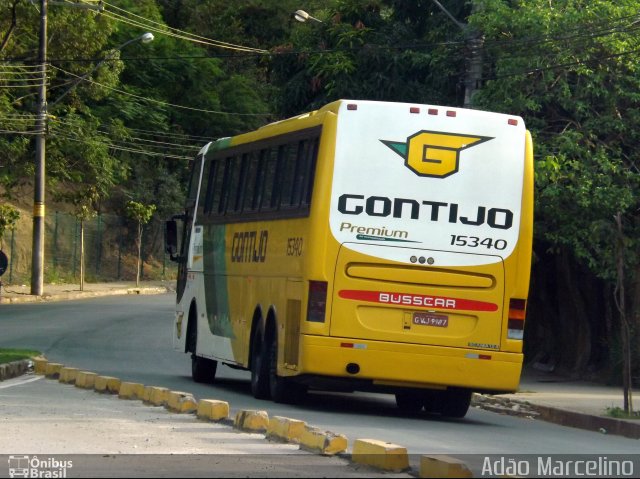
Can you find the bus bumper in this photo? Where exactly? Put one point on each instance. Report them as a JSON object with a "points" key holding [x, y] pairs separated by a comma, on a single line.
{"points": [[410, 365]]}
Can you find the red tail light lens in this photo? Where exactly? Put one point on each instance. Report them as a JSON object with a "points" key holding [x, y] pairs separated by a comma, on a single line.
{"points": [[317, 305], [517, 310]]}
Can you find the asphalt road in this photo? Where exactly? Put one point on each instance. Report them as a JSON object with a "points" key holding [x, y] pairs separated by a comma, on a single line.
{"points": [[130, 338], [99, 435]]}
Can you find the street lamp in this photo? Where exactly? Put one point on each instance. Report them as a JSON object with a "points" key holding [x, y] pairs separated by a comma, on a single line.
{"points": [[303, 16], [37, 249], [144, 38]]}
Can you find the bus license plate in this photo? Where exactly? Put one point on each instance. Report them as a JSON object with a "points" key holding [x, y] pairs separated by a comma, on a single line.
{"points": [[431, 319]]}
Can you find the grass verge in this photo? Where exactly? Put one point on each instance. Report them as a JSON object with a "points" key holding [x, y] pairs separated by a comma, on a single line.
{"points": [[619, 413], [9, 355]]}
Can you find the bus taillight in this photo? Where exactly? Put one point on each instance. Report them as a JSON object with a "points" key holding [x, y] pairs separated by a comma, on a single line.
{"points": [[517, 309], [317, 304]]}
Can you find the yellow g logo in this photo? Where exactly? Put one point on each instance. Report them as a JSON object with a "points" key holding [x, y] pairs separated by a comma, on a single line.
{"points": [[432, 153]]}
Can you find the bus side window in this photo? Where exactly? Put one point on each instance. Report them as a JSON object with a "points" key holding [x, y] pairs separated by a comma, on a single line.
{"points": [[251, 183], [224, 192], [232, 184], [260, 180], [312, 158], [204, 188], [241, 186], [266, 201], [217, 186], [193, 182], [300, 173], [287, 176], [211, 186]]}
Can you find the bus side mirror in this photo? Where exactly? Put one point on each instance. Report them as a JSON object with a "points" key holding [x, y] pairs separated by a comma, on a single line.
{"points": [[171, 239]]}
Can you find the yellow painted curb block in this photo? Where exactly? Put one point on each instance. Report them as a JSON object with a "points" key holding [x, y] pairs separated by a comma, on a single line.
{"points": [[52, 370], [156, 395], [380, 454], [251, 420], [213, 410], [131, 390], [443, 466], [39, 365], [68, 375], [179, 401], [107, 384], [85, 379], [323, 442], [285, 429]]}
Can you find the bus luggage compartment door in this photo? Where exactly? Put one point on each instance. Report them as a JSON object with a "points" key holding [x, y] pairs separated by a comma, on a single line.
{"points": [[450, 305]]}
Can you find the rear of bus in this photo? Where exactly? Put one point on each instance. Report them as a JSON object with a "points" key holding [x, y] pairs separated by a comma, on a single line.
{"points": [[426, 277]]}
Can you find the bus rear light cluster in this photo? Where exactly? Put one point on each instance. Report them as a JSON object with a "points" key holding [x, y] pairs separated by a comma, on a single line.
{"points": [[317, 305], [517, 309]]}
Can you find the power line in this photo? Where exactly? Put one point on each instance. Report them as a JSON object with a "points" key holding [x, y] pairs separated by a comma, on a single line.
{"points": [[162, 103], [128, 140], [121, 148], [192, 35], [213, 43]]}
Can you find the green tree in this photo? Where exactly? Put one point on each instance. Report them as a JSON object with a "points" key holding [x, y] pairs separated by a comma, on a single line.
{"points": [[141, 214], [375, 50], [84, 202], [570, 71], [9, 217]]}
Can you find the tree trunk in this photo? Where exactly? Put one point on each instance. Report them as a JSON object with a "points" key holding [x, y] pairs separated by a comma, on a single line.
{"points": [[139, 245], [574, 315], [625, 333], [81, 255]]}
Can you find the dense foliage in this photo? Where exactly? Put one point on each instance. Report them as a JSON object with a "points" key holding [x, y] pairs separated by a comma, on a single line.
{"points": [[569, 68]]}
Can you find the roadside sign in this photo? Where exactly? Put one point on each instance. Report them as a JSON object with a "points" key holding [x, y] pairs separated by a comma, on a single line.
{"points": [[4, 262]]}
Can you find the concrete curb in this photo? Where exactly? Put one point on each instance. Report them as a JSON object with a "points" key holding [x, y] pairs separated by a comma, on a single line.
{"points": [[251, 420], [282, 429], [605, 425], [71, 295], [380, 454], [321, 442], [562, 417], [14, 369], [373, 453], [285, 429], [443, 466]]}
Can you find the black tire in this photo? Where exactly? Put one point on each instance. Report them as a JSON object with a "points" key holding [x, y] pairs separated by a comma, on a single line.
{"points": [[410, 401], [203, 370], [283, 390], [259, 365], [456, 402], [432, 401]]}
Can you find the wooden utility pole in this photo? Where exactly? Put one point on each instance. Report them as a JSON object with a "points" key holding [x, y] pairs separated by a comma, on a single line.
{"points": [[37, 248], [474, 42]]}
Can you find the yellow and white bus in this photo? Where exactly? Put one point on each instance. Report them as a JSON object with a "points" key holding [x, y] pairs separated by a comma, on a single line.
{"points": [[364, 246]]}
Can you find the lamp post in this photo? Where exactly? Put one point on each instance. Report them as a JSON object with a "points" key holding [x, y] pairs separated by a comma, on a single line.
{"points": [[37, 249]]}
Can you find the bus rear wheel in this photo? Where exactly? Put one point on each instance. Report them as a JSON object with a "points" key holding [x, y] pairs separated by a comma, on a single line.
{"points": [[283, 390], [259, 365], [455, 402], [410, 401]]}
